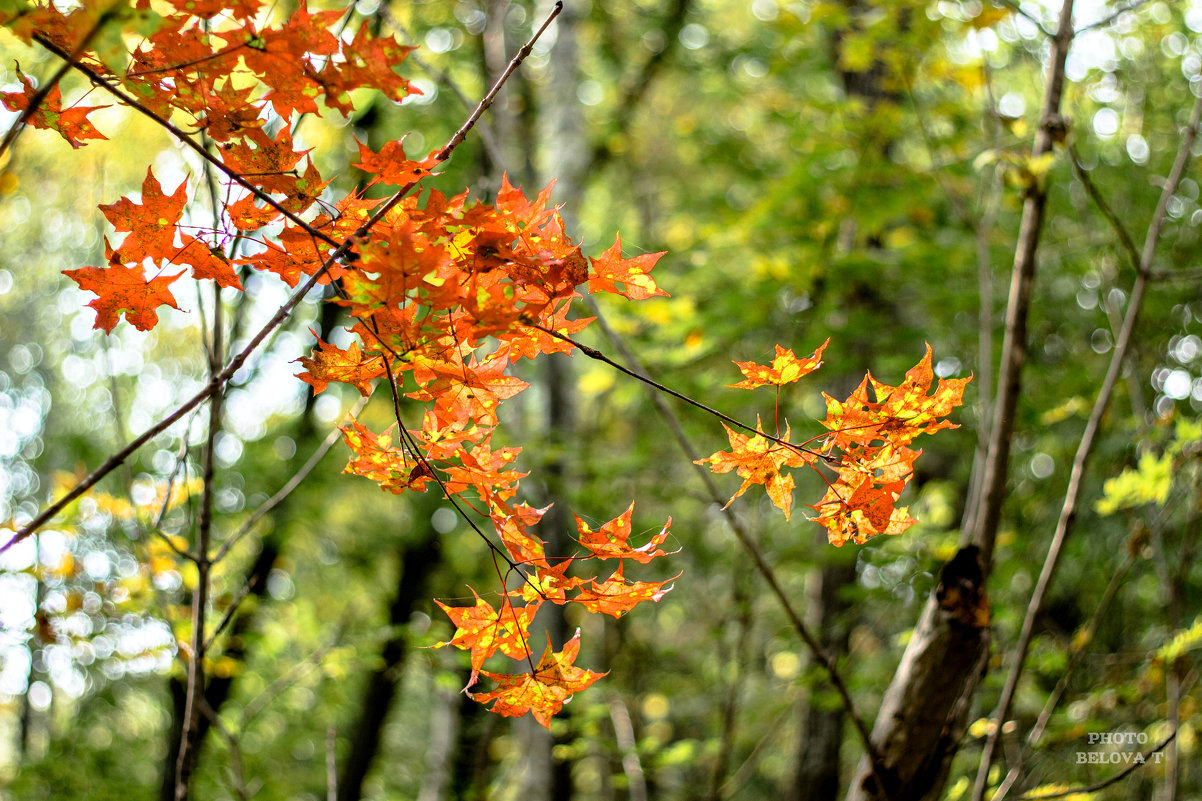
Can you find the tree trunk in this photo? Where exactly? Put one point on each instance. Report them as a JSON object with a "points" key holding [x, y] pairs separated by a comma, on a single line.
{"points": [[817, 776], [415, 562]]}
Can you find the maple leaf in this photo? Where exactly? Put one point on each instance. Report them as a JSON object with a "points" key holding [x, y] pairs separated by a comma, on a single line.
{"points": [[266, 162], [544, 692], [374, 457], [369, 62], [484, 630], [551, 583], [860, 503], [297, 254], [758, 460], [899, 414], [390, 165], [616, 596], [511, 524], [206, 262], [610, 269], [350, 366], [785, 368], [151, 223], [72, 124], [123, 289], [612, 540], [910, 404]]}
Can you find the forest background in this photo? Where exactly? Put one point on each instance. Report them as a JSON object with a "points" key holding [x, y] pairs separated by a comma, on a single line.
{"points": [[857, 171]]}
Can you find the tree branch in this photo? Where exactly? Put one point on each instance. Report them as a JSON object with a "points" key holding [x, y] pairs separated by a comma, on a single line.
{"points": [[281, 314], [1102, 785], [183, 138]]}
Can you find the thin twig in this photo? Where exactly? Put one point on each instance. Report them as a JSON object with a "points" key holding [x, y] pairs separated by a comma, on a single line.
{"points": [[487, 137], [632, 767], [1102, 785], [200, 596], [632, 92], [231, 742], [1074, 658], [286, 490], [1095, 194], [1018, 9], [331, 763], [1102, 23], [638, 375]]}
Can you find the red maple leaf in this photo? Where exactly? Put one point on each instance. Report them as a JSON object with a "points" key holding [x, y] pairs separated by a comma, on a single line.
{"points": [[123, 289], [610, 269], [151, 223], [72, 124]]}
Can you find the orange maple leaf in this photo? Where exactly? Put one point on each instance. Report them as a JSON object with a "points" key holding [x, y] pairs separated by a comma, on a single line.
{"points": [[350, 366], [151, 223], [390, 165], [610, 269], [374, 458], [616, 596], [123, 289], [785, 368], [544, 692], [206, 262], [511, 524], [758, 460], [612, 540], [484, 630], [549, 583]]}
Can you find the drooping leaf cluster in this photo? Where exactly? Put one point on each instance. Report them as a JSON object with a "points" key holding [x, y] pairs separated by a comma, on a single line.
{"points": [[867, 447]]}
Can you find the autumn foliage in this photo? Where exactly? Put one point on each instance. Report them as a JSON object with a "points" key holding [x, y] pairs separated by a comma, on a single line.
{"points": [[447, 294]]}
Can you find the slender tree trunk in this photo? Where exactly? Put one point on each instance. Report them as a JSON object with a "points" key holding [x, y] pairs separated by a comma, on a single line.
{"points": [[415, 562], [817, 776]]}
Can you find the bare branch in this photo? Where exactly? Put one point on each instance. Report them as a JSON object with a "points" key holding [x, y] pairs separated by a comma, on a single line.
{"points": [[1017, 8], [286, 490], [1102, 23], [200, 596], [1102, 785], [1116, 223], [641, 375]]}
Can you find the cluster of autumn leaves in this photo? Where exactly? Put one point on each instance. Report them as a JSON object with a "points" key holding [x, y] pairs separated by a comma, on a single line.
{"points": [[447, 293]]}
